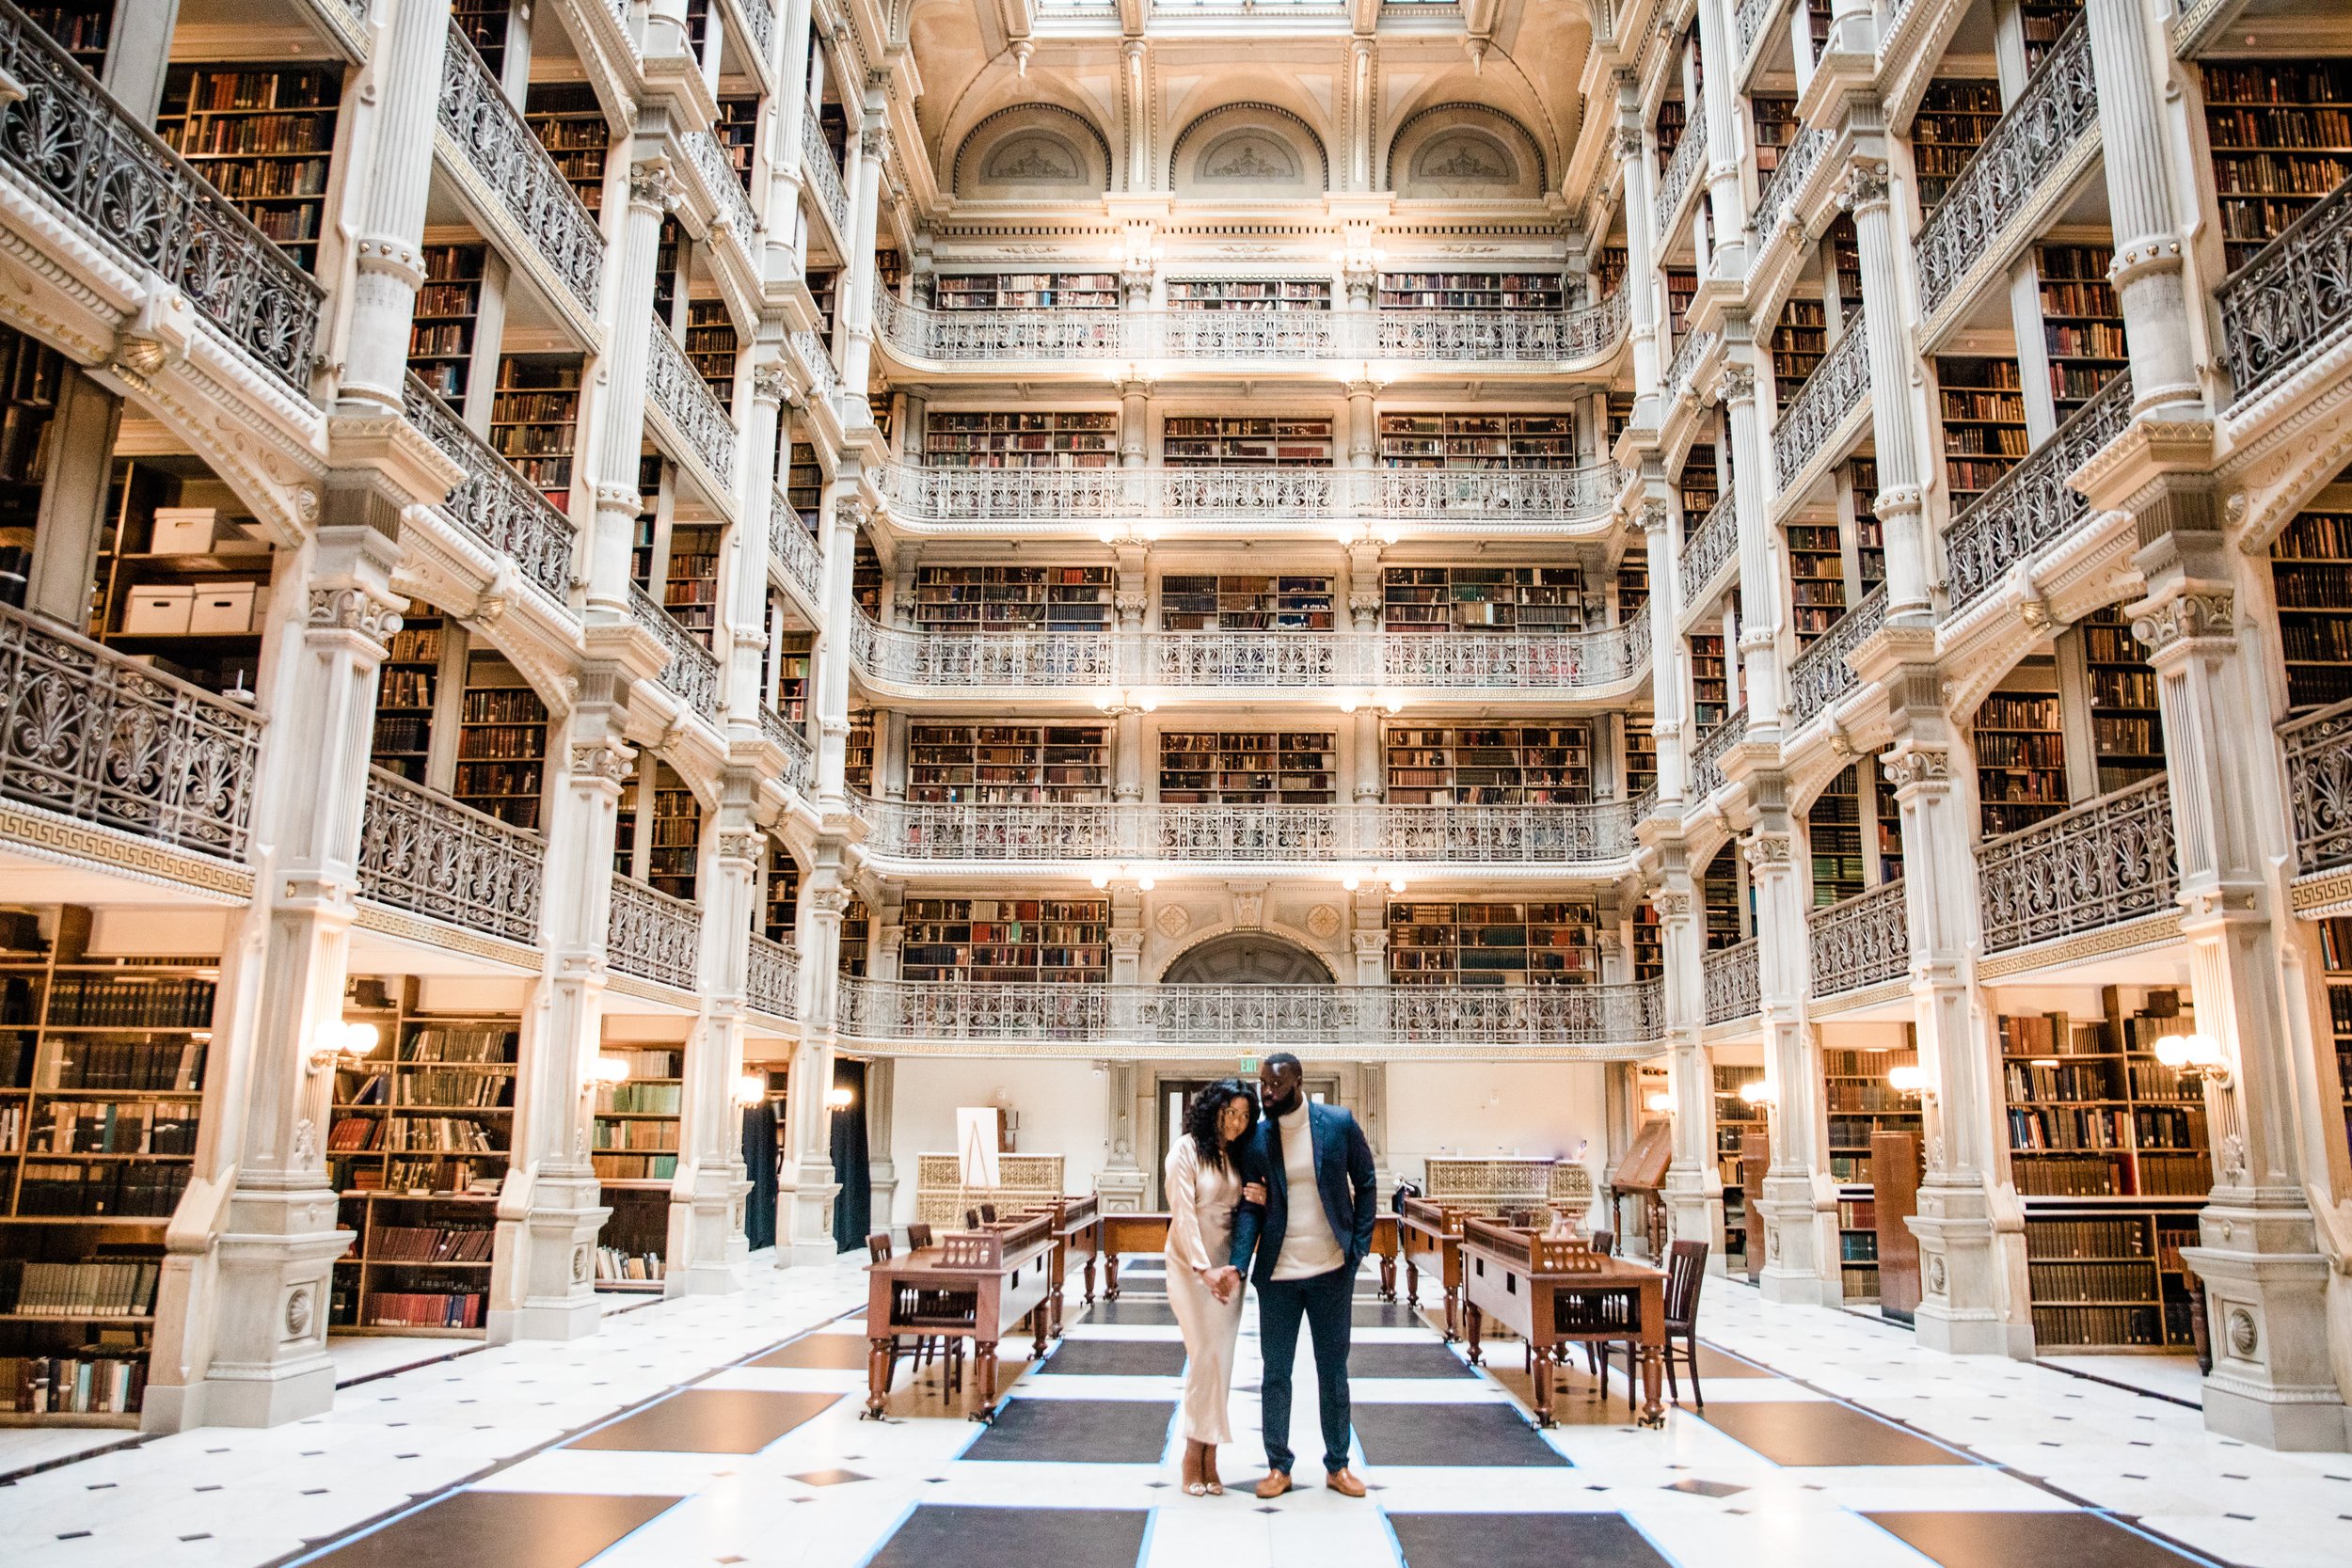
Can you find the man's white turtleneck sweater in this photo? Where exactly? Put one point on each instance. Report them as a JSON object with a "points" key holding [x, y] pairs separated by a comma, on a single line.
{"points": [[1309, 1248]]}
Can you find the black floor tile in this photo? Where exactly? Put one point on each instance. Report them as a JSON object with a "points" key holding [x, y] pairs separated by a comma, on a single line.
{"points": [[1998, 1540], [499, 1529], [1456, 1435], [1124, 1313], [1076, 1431], [1387, 1314], [1116, 1358], [1015, 1538], [1406, 1361], [708, 1421], [1821, 1432], [1522, 1541]]}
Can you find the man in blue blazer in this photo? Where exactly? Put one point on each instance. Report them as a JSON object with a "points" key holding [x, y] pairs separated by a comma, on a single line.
{"points": [[1305, 1256]]}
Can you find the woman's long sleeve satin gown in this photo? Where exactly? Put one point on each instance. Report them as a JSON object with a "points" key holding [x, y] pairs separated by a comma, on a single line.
{"points": [[1201, 1201]]}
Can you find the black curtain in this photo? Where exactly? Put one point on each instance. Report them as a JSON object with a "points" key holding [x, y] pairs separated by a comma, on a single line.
{"points": [[760, 1164], [852, 1211]]}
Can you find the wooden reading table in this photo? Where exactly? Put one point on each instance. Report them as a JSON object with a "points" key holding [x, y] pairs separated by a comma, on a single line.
{"points": [[1147, 1233], [1432, 1234], [1078, 1233], [1556, 1292], [972, 1285]]}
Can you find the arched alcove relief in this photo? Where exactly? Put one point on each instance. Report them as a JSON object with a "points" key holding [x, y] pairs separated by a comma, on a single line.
{"points": [[1246, 959], [1032, 149], [1465, 151], [1248, 153]]}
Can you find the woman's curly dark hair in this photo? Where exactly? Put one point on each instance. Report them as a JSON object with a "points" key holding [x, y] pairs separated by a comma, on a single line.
{"points": [[1206, 1110]]}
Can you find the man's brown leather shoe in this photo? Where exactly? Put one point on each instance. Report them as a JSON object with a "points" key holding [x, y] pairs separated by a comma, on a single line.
{"points": [[1274, 1485], [1345, 1484]]}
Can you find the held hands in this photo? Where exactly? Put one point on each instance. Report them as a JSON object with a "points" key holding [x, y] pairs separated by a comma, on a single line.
{"points": [[1224, 1283]]}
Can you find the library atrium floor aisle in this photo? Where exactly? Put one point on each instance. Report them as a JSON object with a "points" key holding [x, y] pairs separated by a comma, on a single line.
{"points": [[726, 1432]]}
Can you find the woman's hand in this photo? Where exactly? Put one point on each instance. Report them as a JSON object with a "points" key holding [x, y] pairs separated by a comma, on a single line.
{"points": [[1253, 1192], [1223, 1283]]}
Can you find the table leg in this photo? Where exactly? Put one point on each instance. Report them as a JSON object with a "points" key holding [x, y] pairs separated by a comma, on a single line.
{"points": [[1092, 1259], [1388, 1276], [1653, 1411], [1412, 1283], [1540, 1362], [984, 1380], [878, 1364], [1110, 1277], [1453, 1316], [1045, 1319], [1477, 1320]]}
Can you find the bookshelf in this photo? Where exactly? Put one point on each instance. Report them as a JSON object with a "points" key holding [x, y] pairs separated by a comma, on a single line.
{"points": [[565, 117], [31, 376], [1633, 581], [2335, 949], [857, 927], [1649, 943], [1711, 682], [991, 763], [737, 132], [711, 347], [1249, 294], [2082, 327], [1859, 1102], [634, 1150], [2109, 1149], [1498, 765], [1834, 833], [1251, 603], [1720, 899], [1510, 440], [1673, 118], [1608, 265], [1194, 441], [407, 688], [2021, 760], [1735, 1120], [804, 485], [502, 742], [102, 1074], [1007, 939], [792, 677], [1027, 291], [1984, 424], [1682, 287], [780, 897], [2045, 22], [665, 270], [1954, 118], [1055, 439], [2280, 136], [858, 760], [1012, 598], [690, 588], [674, 845], [821, 289], [2126, 727], [1774, 118], [1470, 291], [1887, 822], [644, 542], [866, 577], [484, 23], [1845, 251], [441, 340], [1437, 600], [534, 421], [1700, 486], [1641, 752], [82, 28], [1798, 345], [2310, 580], [1817, 578], [1494, 943], [1223, 767], [264, 136], [1862, 478], [183, 575]]}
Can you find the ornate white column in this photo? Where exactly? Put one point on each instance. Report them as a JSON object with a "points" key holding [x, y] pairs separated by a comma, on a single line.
{"points": [[1693, 1192], [881, 1078], [747, 564], [830, 672], [1726, 146], [1763, 587], [1800, 1202], [2147, 269], [388, 255], [1363, 445], [1667, 712], [1134, 421], [1644, 324], [706, 1245], [652, 192], [859, 273], [806, 1186], [1894, 431]]}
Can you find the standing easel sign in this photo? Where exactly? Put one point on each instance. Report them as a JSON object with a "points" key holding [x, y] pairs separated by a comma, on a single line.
{"points": [[975, 1151]]}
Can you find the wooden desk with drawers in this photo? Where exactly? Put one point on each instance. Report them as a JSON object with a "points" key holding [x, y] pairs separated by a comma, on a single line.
{"points": [[1557, 1292], [972, 1285]]}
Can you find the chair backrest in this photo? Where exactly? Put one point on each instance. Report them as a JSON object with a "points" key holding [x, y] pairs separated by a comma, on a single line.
{"points": [[1686, 1271], [877, 1246], [1605, 1243], [988, 1213], [918, 1236], [970, 1219]]}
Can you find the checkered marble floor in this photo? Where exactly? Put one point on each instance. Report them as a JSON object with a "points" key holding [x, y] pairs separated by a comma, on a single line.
{"points": [[728, 1432]]}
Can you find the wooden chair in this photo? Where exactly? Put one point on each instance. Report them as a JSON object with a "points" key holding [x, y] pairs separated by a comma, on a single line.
{"points": [[918, 1236], [944, 1349], [1686, 1272]]}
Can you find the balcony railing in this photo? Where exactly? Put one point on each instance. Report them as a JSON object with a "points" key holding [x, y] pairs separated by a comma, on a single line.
{"points": [[673, 386], [946, 496], [2293, 300], [799, 766], [2319, 786], [692, 673], [796, 549], [64, 135], [653, 936], [1748, 22], [1707, 757], [1798, 161], [824, 382], [493, 502], [1858, 942], [1481, 337], [1069, 833], [1708, 547], [97, 738], [1621, 1021], [824, 176], [2100, 865], [1673, 185], [2030, 506], [1820, 675], [429, 855], [726, 186], [2041, 131], [893, 656], [507, 158], [1685, 364], [1728, 978], [1831, 394], [759, 21], [771, 978]]}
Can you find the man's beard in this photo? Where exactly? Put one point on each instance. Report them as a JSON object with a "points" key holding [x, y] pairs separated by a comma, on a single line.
{"points": [[1281, 1108]]}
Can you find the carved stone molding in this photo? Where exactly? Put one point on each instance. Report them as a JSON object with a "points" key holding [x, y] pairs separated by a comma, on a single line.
{"points": [[2187, 617], [353, 610], [609, 760], [1917, 765], [652, 184]]}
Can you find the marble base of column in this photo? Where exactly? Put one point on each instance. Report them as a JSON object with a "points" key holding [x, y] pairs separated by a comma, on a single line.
{"points": [[805, 1215], [1800, 1244], [706, 1245], [1694, 1212], [1969, 1271], [1121, 1192], [272, 1279], [550, 1246], [884, 1186], [2267, 1288]]}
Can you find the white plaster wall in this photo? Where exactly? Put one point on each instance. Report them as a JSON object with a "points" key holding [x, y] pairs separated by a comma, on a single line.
{"points": [[1487, 1108], [1062, 1106]]}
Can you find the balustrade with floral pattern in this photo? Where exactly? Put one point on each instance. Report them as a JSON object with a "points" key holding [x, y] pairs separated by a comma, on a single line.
{"points": [[2099, 865], [652, 936], [432, 856], [1858, 942]]}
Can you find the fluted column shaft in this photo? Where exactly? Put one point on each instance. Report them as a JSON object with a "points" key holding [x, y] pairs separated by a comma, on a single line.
{"points": [[652, 190], [859, 271], [747, 585], [389, 254], [2147, 269], [705, 1238], [1726, 199], [806, 1187], [1800, 1203], [1895, 435], [1645, 318], [793, 103], [1762, 588], [1693, 1189], [1668, 710]]}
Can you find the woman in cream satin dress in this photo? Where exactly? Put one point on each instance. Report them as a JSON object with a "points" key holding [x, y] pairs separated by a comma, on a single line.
{"points": [[1204, 1186]]}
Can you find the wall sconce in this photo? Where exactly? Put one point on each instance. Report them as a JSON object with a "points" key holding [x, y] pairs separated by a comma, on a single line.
{"points": [[750, 1089], [1910, 1081], [343, 1045], [1103, 876], [1393, 702], [2198, 1057], [1123, 701], [840, 1097], [1659, 1101], [1756, 1092], [606, 1067]]}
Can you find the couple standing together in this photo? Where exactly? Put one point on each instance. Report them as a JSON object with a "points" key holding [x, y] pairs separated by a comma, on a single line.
{"points": [[1288, 1202]]}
